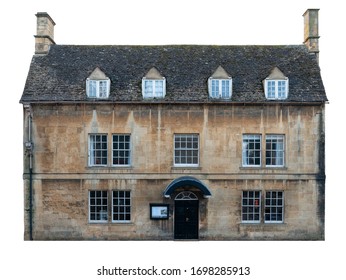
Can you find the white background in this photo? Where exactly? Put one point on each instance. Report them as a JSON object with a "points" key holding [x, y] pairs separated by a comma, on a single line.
{"points": [[168, 22]]}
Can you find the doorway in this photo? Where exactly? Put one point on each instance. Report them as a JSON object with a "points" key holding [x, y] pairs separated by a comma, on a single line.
{"points": [[186, 216]]}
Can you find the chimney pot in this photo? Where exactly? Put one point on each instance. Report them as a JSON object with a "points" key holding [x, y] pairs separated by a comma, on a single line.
{"points": [[44, 33]]}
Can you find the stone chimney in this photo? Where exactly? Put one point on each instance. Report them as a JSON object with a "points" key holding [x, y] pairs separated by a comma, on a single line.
{"points": [[44, 33], [311, 31]]}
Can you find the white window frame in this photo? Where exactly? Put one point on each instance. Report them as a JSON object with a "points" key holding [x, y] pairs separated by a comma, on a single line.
{"points": [[277, 154], [98, 206], [92, 149], [98, 88], [217, 89], [184, 151], [280, 91], [123, 206], [273, 204], [154, 93], [248, 203], [123, 149], [251, 154]]}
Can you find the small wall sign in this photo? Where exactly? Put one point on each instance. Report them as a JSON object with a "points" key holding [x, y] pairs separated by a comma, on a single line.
{"points": [[159, 211]]}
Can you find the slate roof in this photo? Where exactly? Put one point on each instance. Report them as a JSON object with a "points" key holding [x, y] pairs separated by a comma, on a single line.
{"points": [[60, 76]]}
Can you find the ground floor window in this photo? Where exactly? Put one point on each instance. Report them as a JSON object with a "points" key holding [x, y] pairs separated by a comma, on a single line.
{"points": [[99, 206], [251, 206], [121, 209], [274, 207]]}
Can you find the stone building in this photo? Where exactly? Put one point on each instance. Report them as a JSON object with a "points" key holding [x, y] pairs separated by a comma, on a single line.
{"points": [[174, 142]]}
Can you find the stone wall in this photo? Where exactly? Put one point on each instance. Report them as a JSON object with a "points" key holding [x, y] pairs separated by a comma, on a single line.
{"points": [[61, 135], [62, 177]]}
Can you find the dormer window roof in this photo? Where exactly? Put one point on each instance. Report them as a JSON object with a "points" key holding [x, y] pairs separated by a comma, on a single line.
{"points": [[153, 84], [276, 85], [220, 84], [98, 84]]}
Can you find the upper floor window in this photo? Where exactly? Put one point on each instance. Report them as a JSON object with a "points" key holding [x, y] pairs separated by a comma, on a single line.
{"points": [[98, 150], [98, 88], [276, 89], [220, 84], [121, 149], [251, 150], [153, 88], [275, 150], [97, 85], [186, 149], [276, 85], [220, 88], [153, 84]]}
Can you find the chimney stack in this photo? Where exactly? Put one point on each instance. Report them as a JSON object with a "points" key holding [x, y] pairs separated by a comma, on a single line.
{"points": [[44, 33], [311, 31]]}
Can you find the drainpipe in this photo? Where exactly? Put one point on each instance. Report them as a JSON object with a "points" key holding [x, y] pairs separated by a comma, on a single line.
{"points": [[30, 203], [30, 179], [28, 150]]}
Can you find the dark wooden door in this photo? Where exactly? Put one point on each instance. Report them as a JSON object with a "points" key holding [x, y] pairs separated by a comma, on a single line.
{"points": [[186, 219]]}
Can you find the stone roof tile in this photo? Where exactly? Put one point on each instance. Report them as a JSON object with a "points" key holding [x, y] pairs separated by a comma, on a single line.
{"points": [[60, 76]]}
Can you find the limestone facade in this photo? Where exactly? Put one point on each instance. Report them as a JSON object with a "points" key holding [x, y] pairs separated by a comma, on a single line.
{"points": [[62, 176]]}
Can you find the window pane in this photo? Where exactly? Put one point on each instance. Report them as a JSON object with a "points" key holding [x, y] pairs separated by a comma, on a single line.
{"points": [[148, 88], [177, 160], [281, 89], [159, 88], [271, 89], [215, 88], [225, 89], [92, 89], [103, 89]]}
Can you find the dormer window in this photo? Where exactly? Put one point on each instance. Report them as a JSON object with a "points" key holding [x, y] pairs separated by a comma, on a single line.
{"points": [[276, 85], [98, 88], [153, 88], [153, 84], [97, 85], [220, 88], [220, 84]]}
